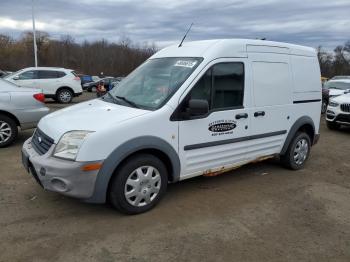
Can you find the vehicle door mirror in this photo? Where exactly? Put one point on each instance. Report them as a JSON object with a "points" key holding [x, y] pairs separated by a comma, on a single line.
{"points": [[15, 78], [198, 107]]}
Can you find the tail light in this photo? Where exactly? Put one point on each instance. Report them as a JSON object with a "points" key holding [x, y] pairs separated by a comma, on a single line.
{"points": [[77, 78], [40, 97]]}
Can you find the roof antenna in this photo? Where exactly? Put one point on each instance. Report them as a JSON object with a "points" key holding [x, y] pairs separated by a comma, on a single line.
{"points": [[183, 39]]}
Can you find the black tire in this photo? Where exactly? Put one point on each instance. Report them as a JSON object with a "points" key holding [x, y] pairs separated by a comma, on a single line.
{"points": [[8, 130], [64, 96], [324, 107], [332, 125], [288, 159], [89, 89], [118, 186]]}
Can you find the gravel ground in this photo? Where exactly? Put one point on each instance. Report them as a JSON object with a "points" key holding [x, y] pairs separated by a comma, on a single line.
{"points": [[260, 212]]}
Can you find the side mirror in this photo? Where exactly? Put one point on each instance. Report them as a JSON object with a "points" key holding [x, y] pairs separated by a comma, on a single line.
{"points": [[15, 78], [198, 107]]}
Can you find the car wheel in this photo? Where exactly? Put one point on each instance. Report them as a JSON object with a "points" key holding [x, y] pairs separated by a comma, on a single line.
{"points": [[324, 107], [298, 152], [8, 130], [64, 96], [139, 184], [93, 89], [332, 125]]}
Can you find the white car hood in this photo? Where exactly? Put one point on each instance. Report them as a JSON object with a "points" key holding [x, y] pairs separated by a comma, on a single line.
{"points": [[92, 115], [335, 92], [342, 99]]}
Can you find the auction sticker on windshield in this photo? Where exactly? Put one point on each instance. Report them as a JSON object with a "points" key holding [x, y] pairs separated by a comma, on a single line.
{"points": [[184, 63]]}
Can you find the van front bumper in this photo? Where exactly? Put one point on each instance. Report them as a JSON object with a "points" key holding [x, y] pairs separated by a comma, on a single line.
{"points": [[59, 175]]}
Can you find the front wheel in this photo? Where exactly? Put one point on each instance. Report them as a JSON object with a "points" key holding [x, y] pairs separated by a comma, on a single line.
{"points": [[298, 151], [323, 107], [138, 184], [8, 130]]}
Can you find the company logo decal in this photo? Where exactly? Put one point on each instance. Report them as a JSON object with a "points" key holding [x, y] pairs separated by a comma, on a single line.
{"points": [[222, 127]]}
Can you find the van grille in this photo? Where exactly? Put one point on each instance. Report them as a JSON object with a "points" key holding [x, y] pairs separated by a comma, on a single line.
{"points": [[345, 107], [41, 142]]}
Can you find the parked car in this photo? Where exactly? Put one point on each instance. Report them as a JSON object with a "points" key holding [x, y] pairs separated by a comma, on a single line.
{"points": [[338, 111], [91, 87], [204, 108], [59, 84], [337, 87], [85, 79], [340, 77], [19, 107]]}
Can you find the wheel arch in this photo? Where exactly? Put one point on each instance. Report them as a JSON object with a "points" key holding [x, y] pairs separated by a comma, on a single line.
{"points": [[65, 87], [146, 144], [304, 124], [11, 116]]}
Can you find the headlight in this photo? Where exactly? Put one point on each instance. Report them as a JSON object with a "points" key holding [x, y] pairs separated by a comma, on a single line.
{"points": [[69, 144], [333, 104]]}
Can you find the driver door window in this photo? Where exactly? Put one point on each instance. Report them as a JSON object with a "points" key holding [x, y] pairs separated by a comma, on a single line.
{"points": [[222, 86], [28, 75]]}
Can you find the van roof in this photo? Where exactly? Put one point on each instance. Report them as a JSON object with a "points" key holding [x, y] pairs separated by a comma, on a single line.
{"points": [[232, 48]]}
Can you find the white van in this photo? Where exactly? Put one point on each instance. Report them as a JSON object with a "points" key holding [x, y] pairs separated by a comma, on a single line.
{"points": [[200, 109], [59, 84]]}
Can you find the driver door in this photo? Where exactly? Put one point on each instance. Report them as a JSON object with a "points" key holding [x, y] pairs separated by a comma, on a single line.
{"points": [[215, 142]]}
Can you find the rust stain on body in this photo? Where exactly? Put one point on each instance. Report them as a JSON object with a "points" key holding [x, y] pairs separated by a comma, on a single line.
{"points": [[210, 173]]}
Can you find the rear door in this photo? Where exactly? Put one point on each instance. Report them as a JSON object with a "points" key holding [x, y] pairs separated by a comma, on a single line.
{"points": [[212, 143], [48, 81]]}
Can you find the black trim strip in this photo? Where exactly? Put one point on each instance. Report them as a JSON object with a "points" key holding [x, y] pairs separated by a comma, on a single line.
{"points": [[306, 101], [234, 140]]}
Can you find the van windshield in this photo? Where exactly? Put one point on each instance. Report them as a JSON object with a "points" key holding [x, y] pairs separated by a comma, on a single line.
{"points": [[153, 83]]}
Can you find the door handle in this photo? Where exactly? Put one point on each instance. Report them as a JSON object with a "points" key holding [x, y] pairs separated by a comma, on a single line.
{"points": [[259, 113], [243, 115]]}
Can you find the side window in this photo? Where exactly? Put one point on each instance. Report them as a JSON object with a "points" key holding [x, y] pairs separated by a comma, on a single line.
{"points": [[222, 86], [28, 75], [47, 74], [60, 74]]}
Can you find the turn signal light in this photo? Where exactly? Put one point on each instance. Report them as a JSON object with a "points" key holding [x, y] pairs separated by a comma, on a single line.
{"points": [[91, 167], [40, 97]]}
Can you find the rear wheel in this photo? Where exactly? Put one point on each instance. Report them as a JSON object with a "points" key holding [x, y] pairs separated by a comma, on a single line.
{"points": [[139, 184], [64, 96], [8, 130], [298, 151], [333, 125]]}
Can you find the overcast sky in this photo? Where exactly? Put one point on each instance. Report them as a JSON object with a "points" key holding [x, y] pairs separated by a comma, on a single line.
{"points": [[307, 22]]}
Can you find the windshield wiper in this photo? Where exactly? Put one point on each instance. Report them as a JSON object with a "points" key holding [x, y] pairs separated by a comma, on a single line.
{"points": [[128, 101]]}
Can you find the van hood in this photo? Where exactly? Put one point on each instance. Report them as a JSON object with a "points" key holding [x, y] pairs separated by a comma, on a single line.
{"points": [[342, 99], [93, 115]]}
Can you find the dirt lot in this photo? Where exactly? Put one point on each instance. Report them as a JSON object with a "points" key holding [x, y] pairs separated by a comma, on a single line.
{"points": [[260, 212]]}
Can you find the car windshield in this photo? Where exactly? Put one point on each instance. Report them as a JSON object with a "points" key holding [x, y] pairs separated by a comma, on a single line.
{"points": [[337, 85], [340, 77], [152, 84]]}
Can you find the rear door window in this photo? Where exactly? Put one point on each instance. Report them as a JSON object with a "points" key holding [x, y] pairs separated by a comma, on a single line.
{"points": [[47, 74]]}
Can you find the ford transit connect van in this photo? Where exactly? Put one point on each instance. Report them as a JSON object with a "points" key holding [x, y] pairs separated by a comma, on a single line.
{"points": [[200, 109]]}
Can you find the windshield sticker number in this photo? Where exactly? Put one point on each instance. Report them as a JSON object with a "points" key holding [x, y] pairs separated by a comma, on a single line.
{"points": [[184, 63]]}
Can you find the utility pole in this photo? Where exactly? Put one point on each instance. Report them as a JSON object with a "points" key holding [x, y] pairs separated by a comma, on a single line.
{"points": [[34, 37]]}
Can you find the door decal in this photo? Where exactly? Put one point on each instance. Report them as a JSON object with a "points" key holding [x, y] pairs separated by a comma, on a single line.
{"points": [[222, 127]]}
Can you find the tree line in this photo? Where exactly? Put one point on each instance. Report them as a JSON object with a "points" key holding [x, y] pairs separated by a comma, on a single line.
{"points": [[336, 62], [114, 59]]}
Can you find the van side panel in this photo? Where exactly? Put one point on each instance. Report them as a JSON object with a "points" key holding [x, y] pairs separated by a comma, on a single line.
{"points": [[307, 88]]}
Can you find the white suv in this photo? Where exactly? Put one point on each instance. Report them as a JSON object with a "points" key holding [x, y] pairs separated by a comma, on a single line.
{"points": [[338, 111], [203, 108], [58, 83]]}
